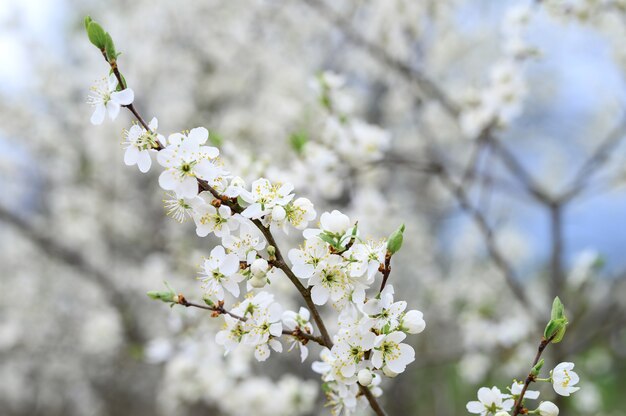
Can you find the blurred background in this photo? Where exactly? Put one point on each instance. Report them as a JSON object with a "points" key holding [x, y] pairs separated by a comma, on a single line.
{"points": [[493, 129]]}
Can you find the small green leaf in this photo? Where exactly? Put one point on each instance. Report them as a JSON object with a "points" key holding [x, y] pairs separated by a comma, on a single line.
{"points": [[537, 368], [164, 296], [109, 47], [298, 141], [96, 35], [557, 309], [394, 243], [87, 21], [555, 328], [168, 296]]}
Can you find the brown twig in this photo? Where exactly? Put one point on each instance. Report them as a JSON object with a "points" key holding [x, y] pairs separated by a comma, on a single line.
{"points": [[517, 409]]}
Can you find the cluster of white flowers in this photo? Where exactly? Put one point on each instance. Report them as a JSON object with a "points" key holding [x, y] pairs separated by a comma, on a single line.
{"points": [[501, 101], [334, 262], [344, 142], [583, 10], [492, 402]]}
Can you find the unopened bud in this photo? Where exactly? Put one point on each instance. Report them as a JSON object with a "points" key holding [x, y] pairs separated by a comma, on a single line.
{"points": [[365, 377], [537, 368], [555, 330], [164, 296], [259, 267], [394, 243], [271, 251]]}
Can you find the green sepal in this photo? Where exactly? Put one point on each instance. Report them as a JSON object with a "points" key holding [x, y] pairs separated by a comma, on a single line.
{"points": [[330, 239], [109, 47], [555, 330], [96, 35]]}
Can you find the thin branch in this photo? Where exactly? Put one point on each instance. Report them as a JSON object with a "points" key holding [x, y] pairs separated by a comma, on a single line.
{"points": [[219, 310], [517, 409]]}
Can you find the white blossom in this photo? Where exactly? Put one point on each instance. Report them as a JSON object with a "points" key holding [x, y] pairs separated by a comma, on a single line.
{"points": [[106, 99], [139, 142], [391, 353], [210, 219], [185, 160], [564, 379], [490, 401], [220, 272]]}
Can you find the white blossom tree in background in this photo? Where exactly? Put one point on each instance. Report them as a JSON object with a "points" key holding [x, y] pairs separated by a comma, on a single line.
{"points": [[452, 117]]}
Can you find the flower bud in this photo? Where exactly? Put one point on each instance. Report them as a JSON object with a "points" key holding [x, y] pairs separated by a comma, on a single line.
{"points": [[258, 282], [394, 242], [208, 300], [164, 296], [365, 377], [259, 268], [413, 322], [537, 368], [555, 329], [548, 409], [96, 34]]}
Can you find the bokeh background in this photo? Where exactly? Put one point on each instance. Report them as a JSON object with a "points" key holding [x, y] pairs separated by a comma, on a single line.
{"points": [[495, 227]]}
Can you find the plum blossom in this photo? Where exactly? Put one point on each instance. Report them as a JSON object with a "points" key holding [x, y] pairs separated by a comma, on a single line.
{"points": [[564, 379], [106, 99], [300, 321], [390, 353], [267, 198], [490, 401], [330, 282], [350, 348], [139, 142], [384, 312], [247, 244], [210, 219], [309, 258], [516, 390], [185, 161], [366, 257], [220, 272]]}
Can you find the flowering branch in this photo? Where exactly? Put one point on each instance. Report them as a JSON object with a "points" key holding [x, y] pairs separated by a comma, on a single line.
{"points": [[338, 265], [219, 310], [493, 402]]}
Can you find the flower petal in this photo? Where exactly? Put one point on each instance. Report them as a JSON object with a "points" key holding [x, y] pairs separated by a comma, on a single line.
{"points": [[124, 97]]}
